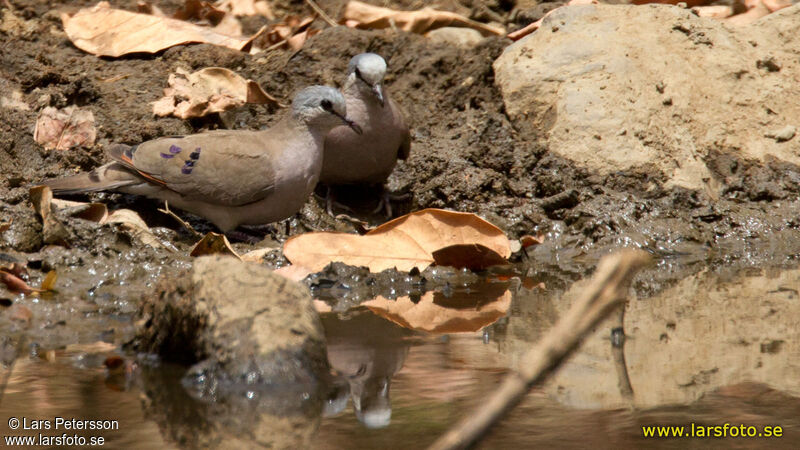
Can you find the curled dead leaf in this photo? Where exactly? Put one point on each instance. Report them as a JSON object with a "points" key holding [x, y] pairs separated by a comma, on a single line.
{"points": [[214, 244], [434, 313], [246, 8], [62, 129], [105, 31], [528, 240], [361, 15], [406, 242], [14, 283], [93, 212], [53, 231], [131, 222], [5, 225], [210, 90]]}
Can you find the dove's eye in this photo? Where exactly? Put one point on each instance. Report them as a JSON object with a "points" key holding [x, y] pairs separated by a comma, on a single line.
{"points": [[326, 105]]}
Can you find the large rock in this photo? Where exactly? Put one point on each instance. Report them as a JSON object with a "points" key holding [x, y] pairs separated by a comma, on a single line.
{"points": [[239, 323], [641, 88]]}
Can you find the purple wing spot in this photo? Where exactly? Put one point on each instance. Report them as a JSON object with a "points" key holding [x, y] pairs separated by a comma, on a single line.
{"points": [[188, 163], [166, 156], [174, 149], [186, 170], [195, 154]]}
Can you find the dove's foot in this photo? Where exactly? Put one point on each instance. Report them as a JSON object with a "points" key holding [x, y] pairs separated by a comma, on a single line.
{"points": [[385, 202]]}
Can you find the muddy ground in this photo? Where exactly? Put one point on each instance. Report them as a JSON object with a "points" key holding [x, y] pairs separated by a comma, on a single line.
{"points": [[466, 156]]}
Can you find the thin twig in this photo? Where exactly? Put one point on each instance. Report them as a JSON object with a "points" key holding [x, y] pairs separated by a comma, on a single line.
{"points": [[322, 13], [181, 221], [606, 291]]}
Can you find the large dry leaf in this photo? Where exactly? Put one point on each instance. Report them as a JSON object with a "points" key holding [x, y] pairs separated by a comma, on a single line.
{"points": [[214, 244], [361, 15], [293, 31], [435, 314], [62, 129], [104, 31], [207, 91], [406, 242]]}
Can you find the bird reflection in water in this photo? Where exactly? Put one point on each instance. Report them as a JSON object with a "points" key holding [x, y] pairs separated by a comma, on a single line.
{"points": [[365, 351]]}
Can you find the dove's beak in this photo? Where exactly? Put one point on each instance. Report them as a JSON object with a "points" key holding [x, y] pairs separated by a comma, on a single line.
{"points": [[378, 90], [354, 126]]}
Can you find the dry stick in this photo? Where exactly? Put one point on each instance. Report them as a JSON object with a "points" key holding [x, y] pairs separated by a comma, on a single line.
{"points": [[322, 13], [607, 290], [181, 221]]}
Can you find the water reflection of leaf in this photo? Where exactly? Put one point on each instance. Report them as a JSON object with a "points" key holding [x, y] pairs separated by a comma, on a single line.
{"points": [[436, 313]]}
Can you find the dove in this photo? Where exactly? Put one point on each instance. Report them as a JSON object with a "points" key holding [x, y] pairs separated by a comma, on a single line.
{"points": [[367, 158], [230, 177]]}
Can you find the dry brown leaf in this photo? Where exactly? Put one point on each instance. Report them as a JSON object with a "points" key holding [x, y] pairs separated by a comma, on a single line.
{"points": [[404, 243], [361, 15], [134, 224], [5, 226], [431, 315], [203, 11], [293, 31], [293, 272], [14, 283], [246, 8], [213, 244], [53, 231], [530, 28], [62, 129], [105, 31], [528, 240], [93, 212], [209, 90], [49, 282]]}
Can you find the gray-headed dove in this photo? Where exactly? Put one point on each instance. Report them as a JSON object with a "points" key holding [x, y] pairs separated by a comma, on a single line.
{"points": [[367, 158], [230, 177]]}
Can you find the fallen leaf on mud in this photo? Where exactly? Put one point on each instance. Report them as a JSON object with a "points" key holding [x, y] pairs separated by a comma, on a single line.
{"points": [[5, 226], [114, 363], [134, 224], [528, 240], [49, 282], [62, 129], [293, 272], [713, 12], [256, 255], [210, 90], [53, 231], [433, 315], [213, 244], [202, 11], [93, 212], [292, 31], [14, 283], [530, 28], [361, 15], [246, 8], [105, 31], [406, 242]]}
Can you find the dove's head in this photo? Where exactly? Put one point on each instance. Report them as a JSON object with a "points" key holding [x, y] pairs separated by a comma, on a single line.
{"points": [[369, 69], [322, 106]]}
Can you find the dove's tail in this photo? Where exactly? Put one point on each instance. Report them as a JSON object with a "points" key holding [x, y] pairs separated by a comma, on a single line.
{"points": [[107, 177]]}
